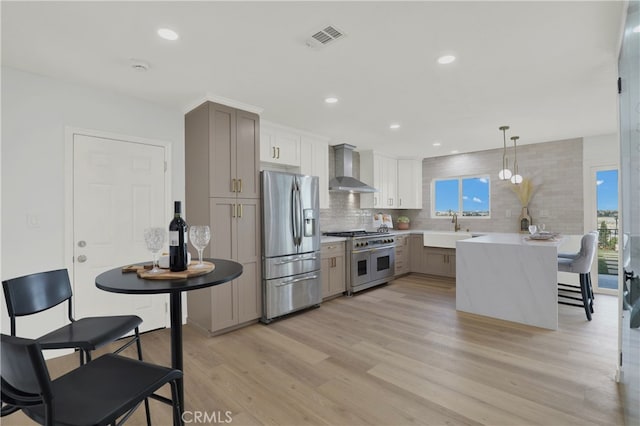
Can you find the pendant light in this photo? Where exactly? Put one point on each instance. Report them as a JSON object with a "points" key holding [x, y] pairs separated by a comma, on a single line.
{"points": [[504, 173], [516, 179]]}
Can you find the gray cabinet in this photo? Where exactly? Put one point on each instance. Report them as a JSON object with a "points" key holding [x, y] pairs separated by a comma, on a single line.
{"points": [[431, 260], [439, 261], [403, 254], [333, 269], [222, 153], [415, 252]]}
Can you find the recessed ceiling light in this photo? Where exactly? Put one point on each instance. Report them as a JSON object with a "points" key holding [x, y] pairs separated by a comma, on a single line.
{"points": [[168, 34], [394, 126], [455, 151], [446, 59], [437, 144], [331, 100], [636, 29]]}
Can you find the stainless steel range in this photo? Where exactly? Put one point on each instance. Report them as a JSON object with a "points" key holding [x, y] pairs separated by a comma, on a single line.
{"points": [[371, 258]]}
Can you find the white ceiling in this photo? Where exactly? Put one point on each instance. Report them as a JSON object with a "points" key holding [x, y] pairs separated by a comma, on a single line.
{"points": [[547, 69]]}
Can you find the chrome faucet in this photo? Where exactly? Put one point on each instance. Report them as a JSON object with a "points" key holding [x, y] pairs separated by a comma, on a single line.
{"points": [[454, 220]]}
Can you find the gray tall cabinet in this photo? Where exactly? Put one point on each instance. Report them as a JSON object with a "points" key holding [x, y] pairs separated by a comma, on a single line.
{"points": [[222, 158]]}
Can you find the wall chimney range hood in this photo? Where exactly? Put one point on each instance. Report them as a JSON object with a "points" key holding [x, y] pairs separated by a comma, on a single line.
{"points": [[344, 180]]}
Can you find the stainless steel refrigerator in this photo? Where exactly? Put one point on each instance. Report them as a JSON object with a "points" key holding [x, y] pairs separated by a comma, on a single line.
{"points": [[290, 243]]}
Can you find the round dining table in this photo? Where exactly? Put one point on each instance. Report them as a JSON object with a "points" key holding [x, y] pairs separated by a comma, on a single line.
{"points": [[118, 281]]}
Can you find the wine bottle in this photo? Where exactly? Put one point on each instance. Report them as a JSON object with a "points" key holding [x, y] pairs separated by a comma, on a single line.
{"points": [[177, 241]]}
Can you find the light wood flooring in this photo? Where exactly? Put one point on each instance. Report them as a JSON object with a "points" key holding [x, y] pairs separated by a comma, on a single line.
{"points": [[396, 355]]}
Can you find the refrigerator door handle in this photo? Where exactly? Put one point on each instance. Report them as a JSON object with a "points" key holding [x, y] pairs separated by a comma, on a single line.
{"points": [[297, 214], [294, 204], [300, 215], [297, 280], [296, 259]]}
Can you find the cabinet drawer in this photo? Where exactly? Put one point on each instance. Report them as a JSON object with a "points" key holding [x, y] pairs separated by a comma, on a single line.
{"points": [[332, 249], [299, 291]]}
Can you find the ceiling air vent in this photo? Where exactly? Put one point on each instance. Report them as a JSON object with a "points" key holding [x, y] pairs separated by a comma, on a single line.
{"points": [[323, 37]]}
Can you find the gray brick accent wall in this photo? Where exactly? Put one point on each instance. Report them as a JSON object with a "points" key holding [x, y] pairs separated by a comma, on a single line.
{"points": [[556, 167]]}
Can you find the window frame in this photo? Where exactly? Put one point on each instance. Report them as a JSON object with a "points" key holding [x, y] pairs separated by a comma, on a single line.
{"points": [[460, 180]]}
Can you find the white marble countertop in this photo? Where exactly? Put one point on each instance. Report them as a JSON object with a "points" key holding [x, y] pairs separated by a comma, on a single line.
{"points": [[512, 239], [508, 276]]}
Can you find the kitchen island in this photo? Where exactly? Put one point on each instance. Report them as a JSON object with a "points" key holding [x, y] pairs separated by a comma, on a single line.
{"points": [[509, 277]]}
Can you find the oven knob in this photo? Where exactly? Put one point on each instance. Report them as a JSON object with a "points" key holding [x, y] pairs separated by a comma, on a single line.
{"points": [[357, 244], [366, 244]]}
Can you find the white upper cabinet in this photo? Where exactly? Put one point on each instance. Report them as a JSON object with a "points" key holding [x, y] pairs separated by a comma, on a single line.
{"points": [[279, 146], [409, 184], [287, 149], [314, 161], [399, 182], [375, 171], [390, 182]]}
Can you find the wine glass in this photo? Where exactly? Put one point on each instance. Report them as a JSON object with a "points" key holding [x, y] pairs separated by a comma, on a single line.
{"points": [[154, 237], [199, 236], [541, 227], [532, 229]]}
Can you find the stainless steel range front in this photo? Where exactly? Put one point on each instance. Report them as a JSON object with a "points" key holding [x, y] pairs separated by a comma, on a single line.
{"points": [[371, 259]]}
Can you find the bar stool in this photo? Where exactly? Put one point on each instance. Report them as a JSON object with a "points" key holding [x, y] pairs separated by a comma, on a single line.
{"points": [[579, 263]]}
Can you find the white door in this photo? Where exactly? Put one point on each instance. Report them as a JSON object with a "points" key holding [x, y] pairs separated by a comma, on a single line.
{"points": [[118, 190]]}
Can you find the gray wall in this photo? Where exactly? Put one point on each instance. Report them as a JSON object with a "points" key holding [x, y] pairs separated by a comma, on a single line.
{"points": [[555, 167]]}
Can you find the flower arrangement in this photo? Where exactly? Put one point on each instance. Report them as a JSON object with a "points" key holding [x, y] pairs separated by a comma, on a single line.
{"points": [[524, 191]]}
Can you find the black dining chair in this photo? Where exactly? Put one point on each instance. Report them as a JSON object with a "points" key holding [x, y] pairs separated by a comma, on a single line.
{"points": [[579, 263], [38, 292], [105, 391]]}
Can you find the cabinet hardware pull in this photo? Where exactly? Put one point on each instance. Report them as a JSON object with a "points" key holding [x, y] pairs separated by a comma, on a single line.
{"points": [[278, 150], [233, 210], [375, 201], [240, 184], [240, 211], [233, 185], [399, 202], [273, 154]]}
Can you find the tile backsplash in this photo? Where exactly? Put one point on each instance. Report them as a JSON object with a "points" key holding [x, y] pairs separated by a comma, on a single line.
{"points": [[555, 167]]}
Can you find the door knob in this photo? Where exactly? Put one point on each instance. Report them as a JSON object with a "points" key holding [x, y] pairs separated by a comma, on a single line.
{"points": [[82, 243], [82, 258]]}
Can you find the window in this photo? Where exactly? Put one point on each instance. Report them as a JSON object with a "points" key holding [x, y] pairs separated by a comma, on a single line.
{"points": [[466, 196]]}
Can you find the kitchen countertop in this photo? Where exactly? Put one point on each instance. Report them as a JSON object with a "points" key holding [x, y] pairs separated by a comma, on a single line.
{"points": [[509, 277], [327, 239], [512, 239]]}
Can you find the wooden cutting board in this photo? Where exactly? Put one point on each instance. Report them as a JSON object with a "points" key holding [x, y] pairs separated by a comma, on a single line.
{"points": [[192, 271]]}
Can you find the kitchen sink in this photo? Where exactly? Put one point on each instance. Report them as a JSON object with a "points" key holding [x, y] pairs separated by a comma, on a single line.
{"points": [[445, 239]]}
